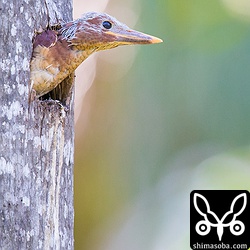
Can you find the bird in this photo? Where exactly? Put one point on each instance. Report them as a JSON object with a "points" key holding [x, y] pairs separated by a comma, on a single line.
{"points": [[58, 52]]}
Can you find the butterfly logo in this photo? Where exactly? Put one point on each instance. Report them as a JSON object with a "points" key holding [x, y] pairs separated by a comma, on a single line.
{"points": [[203, 227]]}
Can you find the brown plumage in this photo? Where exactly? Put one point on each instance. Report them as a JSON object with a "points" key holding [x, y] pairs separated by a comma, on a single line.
{"points": [[57, 53]]}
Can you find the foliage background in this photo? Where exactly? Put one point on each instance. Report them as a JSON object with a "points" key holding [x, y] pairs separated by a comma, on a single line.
{"points": [[160, 121]]}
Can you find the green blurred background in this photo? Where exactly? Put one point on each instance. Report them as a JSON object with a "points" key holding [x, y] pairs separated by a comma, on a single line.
{"points": [[160, 121]]}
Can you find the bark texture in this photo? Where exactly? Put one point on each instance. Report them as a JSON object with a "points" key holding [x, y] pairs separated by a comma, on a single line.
{"points": [[36, 139]]}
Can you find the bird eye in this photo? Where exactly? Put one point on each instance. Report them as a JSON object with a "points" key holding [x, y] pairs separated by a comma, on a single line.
{"points": [[107, 25]]}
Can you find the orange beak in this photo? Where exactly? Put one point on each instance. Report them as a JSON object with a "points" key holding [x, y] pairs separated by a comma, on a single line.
{"points": [[126, 37]]}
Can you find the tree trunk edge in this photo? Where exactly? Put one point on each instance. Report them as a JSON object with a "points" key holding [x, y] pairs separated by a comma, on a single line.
{"points": [[37, 140]]}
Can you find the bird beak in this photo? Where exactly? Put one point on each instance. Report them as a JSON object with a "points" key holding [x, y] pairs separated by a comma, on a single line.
{"points": [[124, 37]]}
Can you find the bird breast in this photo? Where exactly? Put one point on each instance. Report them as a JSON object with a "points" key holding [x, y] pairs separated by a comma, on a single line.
{"points": [[52, 61]]}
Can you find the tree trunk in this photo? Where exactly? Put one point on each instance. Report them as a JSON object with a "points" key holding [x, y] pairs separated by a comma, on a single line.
{"points": [[36, 138]]}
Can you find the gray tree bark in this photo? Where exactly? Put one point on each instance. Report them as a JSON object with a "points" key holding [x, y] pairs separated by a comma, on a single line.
{"points": [[36, 138]]}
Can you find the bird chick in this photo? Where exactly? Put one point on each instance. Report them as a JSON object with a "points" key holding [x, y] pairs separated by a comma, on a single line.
{"points": [[57, 53]]}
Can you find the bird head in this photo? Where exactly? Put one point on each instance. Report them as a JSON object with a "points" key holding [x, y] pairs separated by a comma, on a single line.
{"points": [[99, 31]]}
